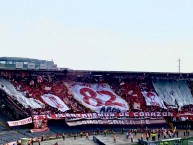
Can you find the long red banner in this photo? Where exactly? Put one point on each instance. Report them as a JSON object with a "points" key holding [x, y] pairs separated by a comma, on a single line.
{"points": [[20, 122], [105, 115], [117, 122]]}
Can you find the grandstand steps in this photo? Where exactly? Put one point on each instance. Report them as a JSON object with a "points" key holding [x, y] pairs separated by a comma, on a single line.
{"points": [[3, 126], [120, 140], [8, 136], [70, 141], [3, 121], [2, 142], [28, 134]]}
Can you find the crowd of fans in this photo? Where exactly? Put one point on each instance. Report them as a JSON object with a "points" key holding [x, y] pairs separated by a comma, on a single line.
{"points": [[33, 84]]}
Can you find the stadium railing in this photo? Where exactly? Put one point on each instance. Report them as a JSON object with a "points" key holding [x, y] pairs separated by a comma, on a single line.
{"points": [[97, 141]]}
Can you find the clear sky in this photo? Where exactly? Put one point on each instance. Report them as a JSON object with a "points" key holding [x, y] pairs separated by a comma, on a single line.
{"points": [[122, 35]]}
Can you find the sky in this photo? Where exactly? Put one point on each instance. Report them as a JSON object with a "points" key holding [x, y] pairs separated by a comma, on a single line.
{"points": [[111, 35]]}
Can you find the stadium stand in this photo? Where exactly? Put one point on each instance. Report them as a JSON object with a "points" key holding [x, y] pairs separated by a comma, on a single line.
{"points": [[22, 91], [34, 86]]}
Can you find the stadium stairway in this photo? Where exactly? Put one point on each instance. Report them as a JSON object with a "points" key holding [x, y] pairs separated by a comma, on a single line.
{"points": [[27, 133], [8, 136], [3, 121], [70, 141], [120, 139]]}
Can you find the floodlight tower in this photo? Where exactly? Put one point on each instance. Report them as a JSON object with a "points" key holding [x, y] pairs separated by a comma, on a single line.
{"points": [[179, 65]]}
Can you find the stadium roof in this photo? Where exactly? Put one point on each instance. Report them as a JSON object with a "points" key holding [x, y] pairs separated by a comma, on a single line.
{"points": [[118, 74], [94, 73]]}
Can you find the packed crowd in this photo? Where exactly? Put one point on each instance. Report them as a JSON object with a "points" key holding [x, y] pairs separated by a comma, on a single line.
{"points": [[32, 84]]}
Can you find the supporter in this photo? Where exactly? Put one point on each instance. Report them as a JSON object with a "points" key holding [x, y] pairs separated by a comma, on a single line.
{"points": [[164, 134], [188, 132], [81, 134], [127, 135], [131, 136], [39, 141], [63, 136], [18, 142], [159, 136], [75, 136], [147, 136], [32, 141], [142, 136], [97, 131], [153, 136], [42, 137], [114, 137], [86, 134], [135, 132], [29, 142], [122, 130], [177, 133], [105, 132]]}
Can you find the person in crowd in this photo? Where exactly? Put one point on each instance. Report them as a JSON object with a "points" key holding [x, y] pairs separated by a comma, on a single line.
{"points": [[105, 132], [29, 142], [131, 136], [63, 136], [114, 137], [171, 134], [164, 133], [97, 131], [135, 131], [127, 135], [75, 136], [81, 134], [188, 133], [18, 142], [86, 134], [159, 135], [122, 130], [147, 136], [153, 136], [32, 141], [142, 136], [39, 141], [42, 137], [177, 133]]}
